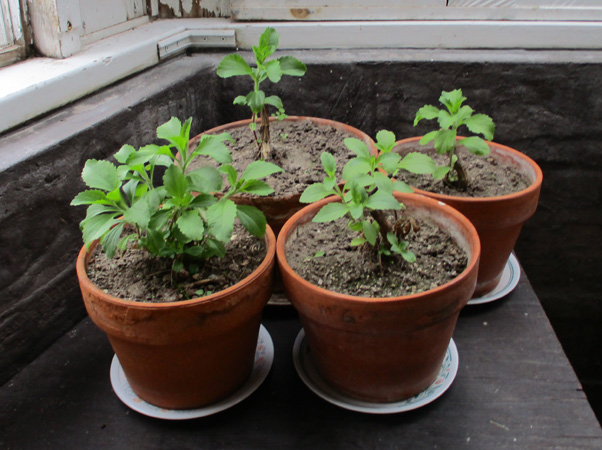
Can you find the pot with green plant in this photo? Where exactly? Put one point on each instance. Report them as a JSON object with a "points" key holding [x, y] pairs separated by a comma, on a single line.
{"points": [[378, 276], [498, 190], [292, 142], [182, 277]]}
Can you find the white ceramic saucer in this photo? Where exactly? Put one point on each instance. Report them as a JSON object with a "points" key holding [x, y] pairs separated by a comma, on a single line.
{"points": [[264, 356], [308, 373], [509, 280]]}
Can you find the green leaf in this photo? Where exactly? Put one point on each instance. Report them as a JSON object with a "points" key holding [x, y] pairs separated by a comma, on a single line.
{"points": [[191, 224], [268, 42], [111, 240], [389, 162], [202, 201], [400, 186], [252, 219], [475, 145], [358, 147], [383, 182], [315, 192], [463, 113], [445, 141], [354, 168], [175, 182], [292, 66], [205, 179], [416, 162], [370, 232], [256, 101], [257, 187], [330, 212], [382, 200], [155, 241], [170, 129], [440, 172], [230, 172], [275, 101], [452, 100], [144, 155], [240, 100], [213, 145], [215, 248], [233, 65], [89, 197], [100, 175], [427, 112], [259, 169], [138, 214], [385, 140], [356, 210], [95, 227], [481, 124], [445, 120], [358, 241], [428, 137], [273, 71], [329, 163], [355, 226], [124, 153], [220, 217]]}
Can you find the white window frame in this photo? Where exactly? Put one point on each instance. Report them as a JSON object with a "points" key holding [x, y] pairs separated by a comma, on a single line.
{"points": [[13, 45]]}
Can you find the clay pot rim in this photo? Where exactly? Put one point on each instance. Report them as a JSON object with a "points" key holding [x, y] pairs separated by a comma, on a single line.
{"points": [[270, 240], [318, 120], [292, 224], [533, 187]]}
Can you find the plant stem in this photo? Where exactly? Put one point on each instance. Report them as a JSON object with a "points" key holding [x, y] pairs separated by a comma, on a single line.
{"points": [[265, 133]]}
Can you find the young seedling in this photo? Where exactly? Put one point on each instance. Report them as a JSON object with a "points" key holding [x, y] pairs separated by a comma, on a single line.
{"points": [[169, 220], [368, 193], [445, 141], [234, 65]]}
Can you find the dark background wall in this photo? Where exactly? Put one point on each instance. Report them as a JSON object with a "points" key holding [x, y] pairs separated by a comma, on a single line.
{"points": [[545, 104]]}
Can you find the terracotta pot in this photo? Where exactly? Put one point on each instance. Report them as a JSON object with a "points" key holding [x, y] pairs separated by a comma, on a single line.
{"points": [[279, 208], [498, 220], [382, 349], [190, 353]]}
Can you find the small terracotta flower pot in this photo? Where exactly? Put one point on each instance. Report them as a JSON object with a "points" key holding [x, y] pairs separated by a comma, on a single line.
{"points": [[279, 208], [184, 354], [382, 349], [498, 220]]}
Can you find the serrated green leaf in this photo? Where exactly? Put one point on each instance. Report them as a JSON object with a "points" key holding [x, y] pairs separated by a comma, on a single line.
{"points": [[110, 241], [213, 145], [240, 100], [385, 140], [100, 175], [124, 153], [175, 182], [445, 120], [382, 200], [463, 113], [440, 172], [392, 238], [370, 231], [143, 155], [427, 112], [257, 187], [256, 101], [357, 241], [191, 224], [138, 214], [445, 141], [259, 169], [358, 147], [452, 100], [233, 65], [383, 182], [95, 227], [315, 192], [203, 201], [356, 210], [169, 129], [155, 241], [329, 163], [292, 66], [354, 168], [428, 137], [416, 162], [475, 145], [215, 248], [252, 219], [481, 124], [389, 161], [275, 101], [331, 212], [220, 217], [273, 71], [354, 226], [230, 172], [205, 180], [89, 197], [400, 186]]}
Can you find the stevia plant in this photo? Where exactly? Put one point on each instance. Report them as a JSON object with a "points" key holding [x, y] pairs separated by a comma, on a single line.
{"points": [[368, 193], [272, 69], [444, 139], [169, 220]]}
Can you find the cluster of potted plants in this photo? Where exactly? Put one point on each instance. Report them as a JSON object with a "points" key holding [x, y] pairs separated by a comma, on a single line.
{"points": [[377, 272]]}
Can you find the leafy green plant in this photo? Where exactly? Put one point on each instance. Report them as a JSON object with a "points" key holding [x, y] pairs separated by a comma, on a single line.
{"points": [[368, 193], [273, 69], [170, 220], [444, 139]]}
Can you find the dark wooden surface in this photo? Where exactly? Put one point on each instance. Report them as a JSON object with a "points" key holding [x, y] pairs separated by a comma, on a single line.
{"points": [[514, 389]]}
